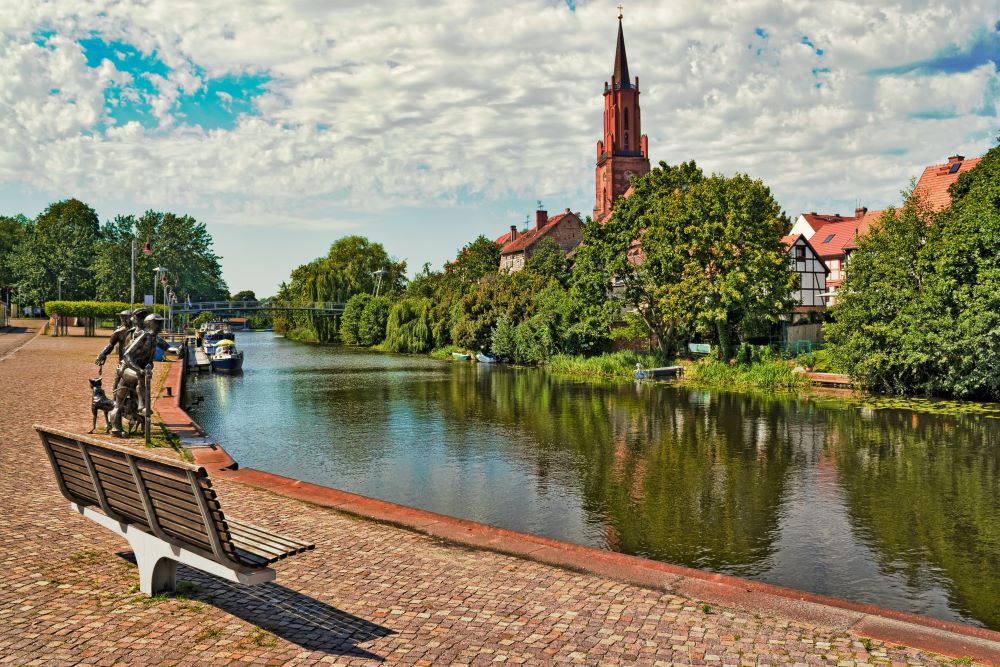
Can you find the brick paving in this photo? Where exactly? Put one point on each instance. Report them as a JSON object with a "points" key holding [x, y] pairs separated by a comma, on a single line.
{"points": [[16, 334], [369, 593]]}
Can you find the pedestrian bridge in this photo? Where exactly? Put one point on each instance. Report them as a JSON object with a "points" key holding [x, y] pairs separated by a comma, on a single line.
{"points": [[317, 307]]}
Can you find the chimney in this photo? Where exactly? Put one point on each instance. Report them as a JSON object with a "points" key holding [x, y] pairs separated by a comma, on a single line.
{"points": [[860, 212], [513, 232], [955, 158], [541, 218], [568, 211]]}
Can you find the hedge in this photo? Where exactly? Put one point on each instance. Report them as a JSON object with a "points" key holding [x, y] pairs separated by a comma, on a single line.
{"points": [[105, 310]]}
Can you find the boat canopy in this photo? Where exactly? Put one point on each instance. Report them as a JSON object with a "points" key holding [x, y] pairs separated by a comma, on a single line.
{"points": [[225, 342]]}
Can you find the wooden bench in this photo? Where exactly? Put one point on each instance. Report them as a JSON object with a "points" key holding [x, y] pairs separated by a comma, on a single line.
{"points": [[165, 508]]}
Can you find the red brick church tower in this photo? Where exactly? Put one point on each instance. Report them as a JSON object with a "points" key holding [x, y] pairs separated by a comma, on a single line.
{"points": [[623, 153]]}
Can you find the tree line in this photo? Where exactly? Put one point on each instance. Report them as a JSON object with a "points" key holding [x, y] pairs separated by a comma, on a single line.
{"points": [[919, 309], [712, 267], [67, 244]]}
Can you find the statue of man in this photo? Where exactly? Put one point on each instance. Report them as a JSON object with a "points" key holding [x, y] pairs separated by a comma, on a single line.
{"points": [[135, 360], [119, 338]]}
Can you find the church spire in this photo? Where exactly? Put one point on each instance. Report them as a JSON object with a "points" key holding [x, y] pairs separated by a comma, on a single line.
{"points": [[621, 78]]}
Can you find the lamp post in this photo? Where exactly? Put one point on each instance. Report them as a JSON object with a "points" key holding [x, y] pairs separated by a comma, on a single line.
{"points": [[156, 274], [378, 282], [59, 288]]}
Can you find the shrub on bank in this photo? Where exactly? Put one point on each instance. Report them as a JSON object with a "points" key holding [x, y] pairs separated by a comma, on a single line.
{"points": [[105, 310], [768, 374], [611, 364]]}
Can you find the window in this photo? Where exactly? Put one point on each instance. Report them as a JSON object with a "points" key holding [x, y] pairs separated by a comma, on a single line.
{"points": [[800, 252], [829, 238], [626, 119], [954, 168], [626, 141]]}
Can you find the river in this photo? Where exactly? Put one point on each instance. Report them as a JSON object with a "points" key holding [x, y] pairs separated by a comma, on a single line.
{"points": [[890, 507]]}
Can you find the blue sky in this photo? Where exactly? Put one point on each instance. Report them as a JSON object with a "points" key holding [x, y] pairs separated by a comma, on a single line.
{"points": [[286, 125]]}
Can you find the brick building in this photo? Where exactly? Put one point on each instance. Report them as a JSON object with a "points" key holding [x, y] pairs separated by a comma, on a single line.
{"points": [[566, 229], [623, 152]]}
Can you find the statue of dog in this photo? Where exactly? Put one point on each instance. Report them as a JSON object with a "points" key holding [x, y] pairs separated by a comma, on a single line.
{"points": [[99, 402]]}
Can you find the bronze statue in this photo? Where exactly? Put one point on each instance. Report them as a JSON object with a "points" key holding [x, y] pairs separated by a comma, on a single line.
{"points": [[134, 372], [119, 338]]}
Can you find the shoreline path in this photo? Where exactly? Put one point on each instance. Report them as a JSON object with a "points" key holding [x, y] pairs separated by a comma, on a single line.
{"points": [[369, 593]]}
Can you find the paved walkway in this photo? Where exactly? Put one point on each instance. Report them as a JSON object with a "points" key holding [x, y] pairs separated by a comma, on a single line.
{"points": [[369, 593], [17, 334]]}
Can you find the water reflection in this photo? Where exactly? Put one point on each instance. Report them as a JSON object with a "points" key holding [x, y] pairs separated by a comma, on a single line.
{"points": [[886, 507]]}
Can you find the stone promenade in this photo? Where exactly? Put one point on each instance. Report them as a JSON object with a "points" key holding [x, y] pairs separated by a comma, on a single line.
{"points": [[369, 593]]}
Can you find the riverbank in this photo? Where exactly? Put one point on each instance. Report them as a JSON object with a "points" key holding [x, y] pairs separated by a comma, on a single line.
{"points": [[372, 592]]}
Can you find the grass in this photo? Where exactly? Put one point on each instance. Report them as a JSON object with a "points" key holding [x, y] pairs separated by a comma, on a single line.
{"points": [[207, 633], [444, 352], [609, 365], [771, 374]]}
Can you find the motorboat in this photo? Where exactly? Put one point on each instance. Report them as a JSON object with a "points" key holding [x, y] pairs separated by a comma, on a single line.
{"points": [[484, 358], [461, 356], [226, 358], [212, 333]]}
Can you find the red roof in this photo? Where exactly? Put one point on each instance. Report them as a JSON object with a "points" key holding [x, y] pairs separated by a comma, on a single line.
{"points": [[790, 239], [829, 242], [818, 220], [864, 224], [529, 238], [503, 240], [933, 185]]}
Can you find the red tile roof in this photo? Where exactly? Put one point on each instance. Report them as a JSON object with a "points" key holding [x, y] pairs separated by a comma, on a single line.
{"points": [[864, 224], [818, 220], [933, 185], [829, 242], [529, 238], [790, 239], [503, 240]]}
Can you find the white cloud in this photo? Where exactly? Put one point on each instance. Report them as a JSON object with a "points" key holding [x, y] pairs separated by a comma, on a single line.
{"points": [[382, 105]]}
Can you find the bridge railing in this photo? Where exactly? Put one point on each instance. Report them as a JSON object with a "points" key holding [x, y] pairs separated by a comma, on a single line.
{"points": [[211, 306]]}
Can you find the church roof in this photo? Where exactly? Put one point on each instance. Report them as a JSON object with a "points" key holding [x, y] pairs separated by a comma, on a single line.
{"points": [[621, 77]]}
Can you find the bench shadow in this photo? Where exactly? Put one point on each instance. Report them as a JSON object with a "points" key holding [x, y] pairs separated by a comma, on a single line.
{"points": [[297, 618]]}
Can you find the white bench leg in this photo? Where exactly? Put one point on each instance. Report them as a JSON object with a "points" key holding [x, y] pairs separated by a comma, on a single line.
{"points": [[157, 569], [157, 560]]}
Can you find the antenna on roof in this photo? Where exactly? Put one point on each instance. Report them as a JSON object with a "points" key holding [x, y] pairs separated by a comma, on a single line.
{"points": [[527, 221], [539, 204]]}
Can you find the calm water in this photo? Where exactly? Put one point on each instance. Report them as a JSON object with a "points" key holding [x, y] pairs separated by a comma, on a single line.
{"points": [[889, 507]]}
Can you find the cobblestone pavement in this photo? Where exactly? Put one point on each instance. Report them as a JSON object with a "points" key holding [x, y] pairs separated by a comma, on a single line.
{"points": [[17, 333], [369, 593]]}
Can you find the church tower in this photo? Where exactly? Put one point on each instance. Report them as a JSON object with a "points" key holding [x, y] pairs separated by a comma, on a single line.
{"points": [[623, 152]]}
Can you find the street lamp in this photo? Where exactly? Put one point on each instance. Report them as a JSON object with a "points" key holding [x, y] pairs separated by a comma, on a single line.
{"points": [[59, 288], [378, 283], [156, 274]]}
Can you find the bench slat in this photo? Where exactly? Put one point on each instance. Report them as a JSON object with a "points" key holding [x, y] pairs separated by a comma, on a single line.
{"points": [[172, 499], [247, 528]]}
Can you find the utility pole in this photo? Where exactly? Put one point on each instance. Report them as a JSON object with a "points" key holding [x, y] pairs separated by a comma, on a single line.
{"points": [[131, 303]]}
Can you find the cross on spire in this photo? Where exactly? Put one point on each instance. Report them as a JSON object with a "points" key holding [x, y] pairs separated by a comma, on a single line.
{"points": [[620, 14]]}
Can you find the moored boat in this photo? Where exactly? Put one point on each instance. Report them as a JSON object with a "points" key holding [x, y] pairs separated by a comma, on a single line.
{"points": [[227, 359], [484, 358], [461, 356]]}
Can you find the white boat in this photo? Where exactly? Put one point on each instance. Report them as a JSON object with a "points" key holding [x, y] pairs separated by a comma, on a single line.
{"points": [[226, 358]]}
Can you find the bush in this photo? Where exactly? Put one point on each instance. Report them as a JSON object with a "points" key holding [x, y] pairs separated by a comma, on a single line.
{"points": [[350, 323], [529, 342], [766, 374], [408, 328], [611, 364], [100, 309], [374, 317]]}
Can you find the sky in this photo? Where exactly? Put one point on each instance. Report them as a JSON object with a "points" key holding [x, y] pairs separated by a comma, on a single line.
{"points": [[284, 125]]}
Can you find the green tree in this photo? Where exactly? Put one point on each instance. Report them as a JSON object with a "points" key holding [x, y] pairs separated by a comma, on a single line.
{"points": [[374, 318], [179, 243], [918, 310], [475, 261], [61, 244], [696, 254], [350, 322], [549, 260], [409, 326], [245, 295], [12, 230]]}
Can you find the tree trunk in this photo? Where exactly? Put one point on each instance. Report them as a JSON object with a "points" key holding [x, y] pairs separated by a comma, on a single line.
{"points": [[725, 332]]}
